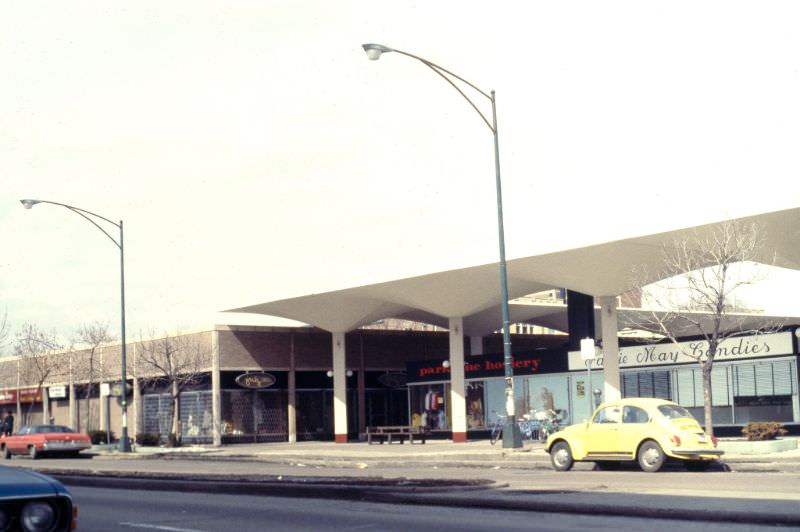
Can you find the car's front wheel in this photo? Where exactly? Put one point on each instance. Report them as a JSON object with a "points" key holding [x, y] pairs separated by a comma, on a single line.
{"points": [[32, 452], [561, 456], [651, 457]]}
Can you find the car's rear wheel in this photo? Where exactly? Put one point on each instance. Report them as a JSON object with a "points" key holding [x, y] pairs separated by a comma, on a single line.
{"points": [[650, 456], [697, 465], [32, 452], [561, 456], [6, 453]]}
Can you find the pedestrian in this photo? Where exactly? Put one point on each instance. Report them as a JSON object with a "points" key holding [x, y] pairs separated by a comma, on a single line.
{"points": [[8, 424]]}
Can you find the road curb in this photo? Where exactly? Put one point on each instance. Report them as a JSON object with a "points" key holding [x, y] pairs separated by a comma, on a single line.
{"points": [[378, 490]]}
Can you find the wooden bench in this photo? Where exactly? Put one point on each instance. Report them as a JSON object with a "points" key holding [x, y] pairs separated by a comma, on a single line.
{"points": [[399, 433]]}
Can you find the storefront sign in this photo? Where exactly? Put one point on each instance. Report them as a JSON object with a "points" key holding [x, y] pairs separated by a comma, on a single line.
{"points": [[393, 379], [483, 366], [57, 392], [739, 348], [26, 395], [255, 380]]}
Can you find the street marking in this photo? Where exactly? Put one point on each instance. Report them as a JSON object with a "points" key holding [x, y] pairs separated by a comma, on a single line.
{"points": [[160, 527]]}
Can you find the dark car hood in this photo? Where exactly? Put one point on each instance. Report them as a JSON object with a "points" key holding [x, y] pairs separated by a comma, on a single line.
{"points": [[15, 482]]}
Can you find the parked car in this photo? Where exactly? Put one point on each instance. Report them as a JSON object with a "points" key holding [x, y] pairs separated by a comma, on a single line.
{"points": [[32, 502], [646, 430], [38, 440]]}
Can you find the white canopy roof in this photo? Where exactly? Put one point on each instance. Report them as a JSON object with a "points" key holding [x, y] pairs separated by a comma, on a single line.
{"points": [[607, 269]]}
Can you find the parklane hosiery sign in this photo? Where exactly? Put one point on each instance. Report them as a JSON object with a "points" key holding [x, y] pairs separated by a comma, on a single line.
{"points": [[738, 348]]}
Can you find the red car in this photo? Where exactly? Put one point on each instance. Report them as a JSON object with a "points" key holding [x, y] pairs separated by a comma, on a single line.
{"points": [[38, 440]]}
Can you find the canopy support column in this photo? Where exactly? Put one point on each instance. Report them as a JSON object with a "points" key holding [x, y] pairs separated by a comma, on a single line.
{"points": [[610, 327], [458, 404], [339, 388]]}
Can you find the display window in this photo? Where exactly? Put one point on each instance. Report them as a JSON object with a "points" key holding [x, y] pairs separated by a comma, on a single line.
{"points": [[429, 406], [740, 393]]}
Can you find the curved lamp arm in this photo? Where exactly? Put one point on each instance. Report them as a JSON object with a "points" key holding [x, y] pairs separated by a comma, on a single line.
{"points": [[29, 203], [374, 52]]}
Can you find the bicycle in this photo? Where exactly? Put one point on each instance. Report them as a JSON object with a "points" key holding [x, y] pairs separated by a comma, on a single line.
{"points": [[497, 429], [529, 428], [548, 423]]}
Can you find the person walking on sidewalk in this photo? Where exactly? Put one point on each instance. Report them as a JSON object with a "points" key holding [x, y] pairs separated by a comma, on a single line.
{"points": [[8, 424]]}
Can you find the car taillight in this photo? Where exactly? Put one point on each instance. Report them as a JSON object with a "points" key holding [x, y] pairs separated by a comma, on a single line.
{"points": [[714, 440], [675, 439]]}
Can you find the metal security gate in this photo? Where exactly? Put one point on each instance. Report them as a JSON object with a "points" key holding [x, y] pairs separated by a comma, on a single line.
{"points": [[195, 416], [254, 416]]}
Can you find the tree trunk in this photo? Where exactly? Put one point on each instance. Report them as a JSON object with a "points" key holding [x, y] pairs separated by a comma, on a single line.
{"points": [[708, 418], [176, 409]]}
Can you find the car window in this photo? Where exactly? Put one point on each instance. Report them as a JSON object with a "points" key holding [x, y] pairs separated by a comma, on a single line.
{"points": [[634, 414], [609, 414], [674, 412], [24, 430]]}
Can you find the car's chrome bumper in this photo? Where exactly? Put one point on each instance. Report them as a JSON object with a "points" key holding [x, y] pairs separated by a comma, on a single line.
{"points": [[65, 446], [699, 452]]}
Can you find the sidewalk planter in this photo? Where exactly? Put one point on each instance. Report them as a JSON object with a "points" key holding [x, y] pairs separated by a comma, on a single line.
{"points": [[757, 447]]}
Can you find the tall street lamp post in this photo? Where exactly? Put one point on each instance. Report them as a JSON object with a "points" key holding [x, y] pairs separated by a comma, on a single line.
{"points": [[512, 438], [124, 442]]}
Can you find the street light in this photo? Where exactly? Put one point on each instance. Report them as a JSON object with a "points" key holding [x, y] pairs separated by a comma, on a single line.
{"points": [[124, 442], [512, 438]]}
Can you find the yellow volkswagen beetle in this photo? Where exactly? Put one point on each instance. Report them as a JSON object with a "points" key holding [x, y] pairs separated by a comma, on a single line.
{"points": [[646, 430]]}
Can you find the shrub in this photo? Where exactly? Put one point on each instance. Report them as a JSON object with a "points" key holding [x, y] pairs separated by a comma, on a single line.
{"points": [[99, 437], [763, 431], [148, 438]]}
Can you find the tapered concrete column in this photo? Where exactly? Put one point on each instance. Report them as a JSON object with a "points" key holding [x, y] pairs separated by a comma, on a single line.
{"points": [[103, 408], [45, 405], [291, 400], [610, 328], [73, 403], [458, 403], [216, 392], [339, 388], [73, 408], [475, 345], [138, 411]]}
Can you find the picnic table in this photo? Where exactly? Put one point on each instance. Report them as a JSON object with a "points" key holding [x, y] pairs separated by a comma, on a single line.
{"points": [[399, 433]]}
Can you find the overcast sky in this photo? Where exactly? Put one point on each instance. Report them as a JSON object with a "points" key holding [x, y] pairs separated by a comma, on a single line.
{"points": [[254, 153]]}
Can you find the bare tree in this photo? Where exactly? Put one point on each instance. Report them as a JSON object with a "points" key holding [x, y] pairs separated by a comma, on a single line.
{"points": [[177, 362], [3, 331], [86, 365], [704, 275], [38, 363]]}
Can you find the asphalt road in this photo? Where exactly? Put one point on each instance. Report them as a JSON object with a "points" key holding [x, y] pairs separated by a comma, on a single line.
{"points": [[101, 510]]}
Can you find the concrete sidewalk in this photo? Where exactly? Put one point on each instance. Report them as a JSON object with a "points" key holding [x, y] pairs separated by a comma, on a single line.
{"points": [[441, 453]]}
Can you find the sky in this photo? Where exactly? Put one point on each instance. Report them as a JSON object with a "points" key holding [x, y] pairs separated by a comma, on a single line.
{"points": [[254, 153]]}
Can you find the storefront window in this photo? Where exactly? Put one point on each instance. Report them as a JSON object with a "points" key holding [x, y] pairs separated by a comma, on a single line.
{"points": [[544, 393], [476, 414], [764, 392], [740, 393], [429, 406]]}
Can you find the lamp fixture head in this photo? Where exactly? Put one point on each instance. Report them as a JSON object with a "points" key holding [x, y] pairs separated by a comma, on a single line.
{"points": [[374, 51], [28, 203]]}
